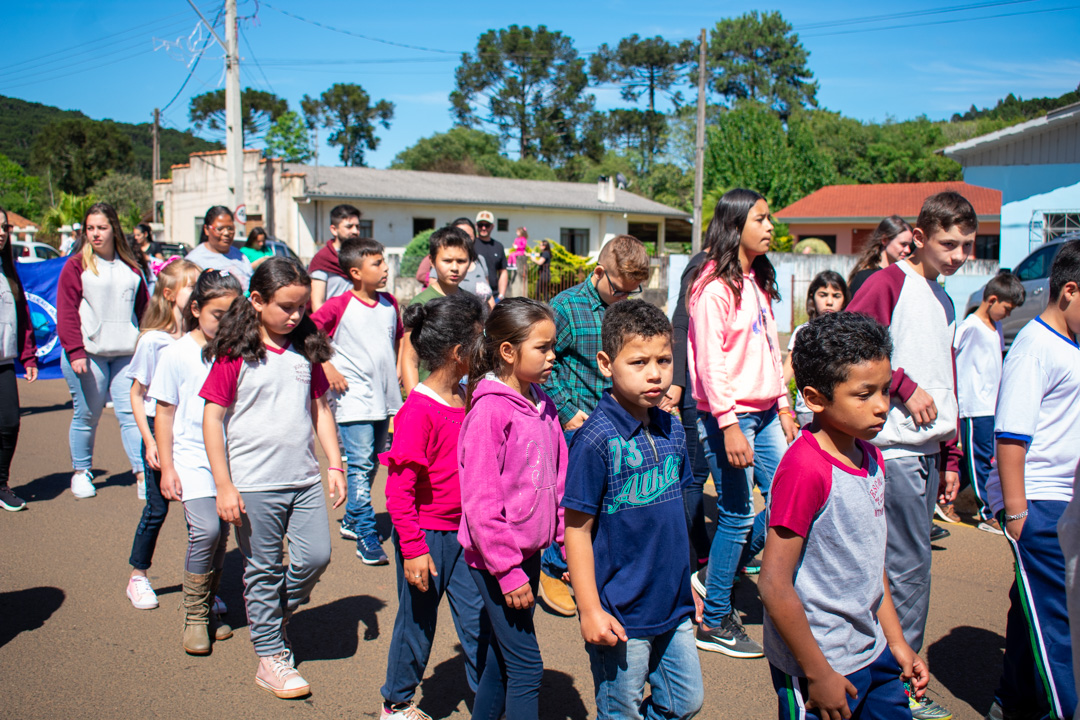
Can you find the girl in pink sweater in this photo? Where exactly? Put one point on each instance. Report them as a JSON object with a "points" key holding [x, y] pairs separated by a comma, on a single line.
{"points": [[744, 416], [423, 497], [512, 460]]}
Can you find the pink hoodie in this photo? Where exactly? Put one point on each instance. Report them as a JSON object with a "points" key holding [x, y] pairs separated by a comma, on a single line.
{"points": [[512, 465], [734, 359]]}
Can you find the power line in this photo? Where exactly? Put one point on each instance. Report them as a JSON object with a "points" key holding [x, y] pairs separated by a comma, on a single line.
{"points": [[945, 22], [906, 15], [243, 36], [356, 34], [194, 64]]}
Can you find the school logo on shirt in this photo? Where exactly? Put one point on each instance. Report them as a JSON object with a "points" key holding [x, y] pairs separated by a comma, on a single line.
{"points": [[876, 490], [641, 488], [303, 372]]}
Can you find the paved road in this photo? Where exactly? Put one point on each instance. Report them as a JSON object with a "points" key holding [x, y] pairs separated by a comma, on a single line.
{"points": [[71, 646]]}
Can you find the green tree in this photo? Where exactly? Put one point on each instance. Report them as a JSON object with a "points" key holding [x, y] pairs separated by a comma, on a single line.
{"points": [[759, 57], [258, 111], [530, 85], [131, 195], [68, 209], [465, 151], [643, 67], [75, 154], [288, 139], [19, 192], [346, 110]]}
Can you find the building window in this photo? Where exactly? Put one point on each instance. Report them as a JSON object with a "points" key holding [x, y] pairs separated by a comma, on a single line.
{"points": [[987, 247], [367, 229], [159, 211], [576, 240], [419, 225], [502, 225], [1057, 224]]}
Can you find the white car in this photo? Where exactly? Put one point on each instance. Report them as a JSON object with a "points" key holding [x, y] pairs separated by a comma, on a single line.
{"points": [[30, 251]]}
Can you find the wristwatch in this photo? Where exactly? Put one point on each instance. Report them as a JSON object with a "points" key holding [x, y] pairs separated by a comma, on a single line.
{"points": [[1017, 516]]}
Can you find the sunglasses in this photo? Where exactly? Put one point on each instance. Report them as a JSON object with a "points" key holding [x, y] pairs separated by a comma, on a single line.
{"points": [[484, 225], [6, 227], [618, 291]]}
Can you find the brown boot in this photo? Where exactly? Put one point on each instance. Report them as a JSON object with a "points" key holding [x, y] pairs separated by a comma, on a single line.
{"points": [[220, 629], [196, 613]]}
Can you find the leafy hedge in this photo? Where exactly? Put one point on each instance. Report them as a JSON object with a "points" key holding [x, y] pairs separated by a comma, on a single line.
{"points": [[414, 254]]}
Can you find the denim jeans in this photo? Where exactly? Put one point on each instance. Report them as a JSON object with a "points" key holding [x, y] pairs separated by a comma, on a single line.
{"points": [[552, 562], [363, 441], [669, 662], [106, 378], [733, 543], [153, 515]]}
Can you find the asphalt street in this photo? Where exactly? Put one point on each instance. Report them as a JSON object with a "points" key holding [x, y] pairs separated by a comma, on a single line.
{"points": [[71, 645]]}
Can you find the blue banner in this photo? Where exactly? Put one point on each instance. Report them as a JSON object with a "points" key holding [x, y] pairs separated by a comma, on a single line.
{"points": [[39, 280]]}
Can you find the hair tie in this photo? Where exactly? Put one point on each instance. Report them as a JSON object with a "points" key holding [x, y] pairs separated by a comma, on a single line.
{"points": [[158, 267], [223, 273]]}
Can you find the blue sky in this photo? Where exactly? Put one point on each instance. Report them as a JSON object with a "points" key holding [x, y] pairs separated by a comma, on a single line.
{"points": [[120, 59]]}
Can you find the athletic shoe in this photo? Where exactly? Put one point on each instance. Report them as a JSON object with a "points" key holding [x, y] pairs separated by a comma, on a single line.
{"points": [[140, 487], [141, 593], [347, 532], [277, 675], [751, 568], [729, 639], [82, 485], [219, 606], [556, 595], [699, 580], [9, 500], [991, 526], [946, 513], [370, 551], [925, 708], [938, 533], [403, 711]]}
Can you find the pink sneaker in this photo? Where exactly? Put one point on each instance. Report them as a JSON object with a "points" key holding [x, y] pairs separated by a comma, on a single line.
{"points": [[141, 593], [277, 675]]}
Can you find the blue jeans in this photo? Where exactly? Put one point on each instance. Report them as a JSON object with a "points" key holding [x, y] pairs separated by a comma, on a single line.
{"points": [[418, 614], [106, 377], [881, 693], [514, 667], [669, 662], [363, 441], [733, 543], [153, 515], [552, 562]]}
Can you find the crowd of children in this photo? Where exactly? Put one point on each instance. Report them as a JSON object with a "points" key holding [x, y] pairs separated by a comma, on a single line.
{"points": [[558, 452]]}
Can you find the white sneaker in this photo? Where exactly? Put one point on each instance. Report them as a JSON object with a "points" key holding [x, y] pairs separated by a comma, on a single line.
{"points": [[141, 593], [82, 485], [405, 711], [140, 487], [277, 675], [219, 606]]}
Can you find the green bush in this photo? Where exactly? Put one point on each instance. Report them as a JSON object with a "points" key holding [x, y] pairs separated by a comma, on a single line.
{"points": [[414, 254]]}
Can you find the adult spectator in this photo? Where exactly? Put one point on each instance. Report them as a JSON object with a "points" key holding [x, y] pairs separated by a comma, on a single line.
{"points": [[890, 243], [216, 250], [144, 241], [493, 252], [327, 278], [255, 249]]}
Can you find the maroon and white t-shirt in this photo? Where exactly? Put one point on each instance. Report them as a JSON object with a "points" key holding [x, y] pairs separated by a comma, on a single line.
{"points": [[268, 430]]}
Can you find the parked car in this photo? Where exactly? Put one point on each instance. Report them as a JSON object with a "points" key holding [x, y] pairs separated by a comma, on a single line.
{"points": [[1034, 274], [281, 249], [30, 251], [169, 250]]}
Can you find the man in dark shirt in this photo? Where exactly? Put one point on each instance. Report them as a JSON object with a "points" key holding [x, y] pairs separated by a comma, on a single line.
{"points": [[493, 252]]}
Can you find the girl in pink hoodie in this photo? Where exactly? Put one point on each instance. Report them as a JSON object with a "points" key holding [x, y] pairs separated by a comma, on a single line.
{"points": [[512, 464], [744, 416]]}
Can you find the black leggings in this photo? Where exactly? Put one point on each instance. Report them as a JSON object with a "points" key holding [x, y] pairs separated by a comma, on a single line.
{"points": [[9, 419]]}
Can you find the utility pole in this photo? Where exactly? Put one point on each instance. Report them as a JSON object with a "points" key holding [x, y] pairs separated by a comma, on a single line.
{"points": [[699, 154], [156, 164]]}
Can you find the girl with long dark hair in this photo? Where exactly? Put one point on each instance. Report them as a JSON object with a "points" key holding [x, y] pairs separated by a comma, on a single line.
{"points": [[890, 243]]}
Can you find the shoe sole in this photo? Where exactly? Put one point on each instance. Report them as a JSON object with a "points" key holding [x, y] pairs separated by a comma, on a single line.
{"points": [[197, 653], [377, 561], [943, 517], [284, 694], [697, 585], [725, 650], [144, 606], [990, 529], [82, 497], [12, 508], [348, 534]]}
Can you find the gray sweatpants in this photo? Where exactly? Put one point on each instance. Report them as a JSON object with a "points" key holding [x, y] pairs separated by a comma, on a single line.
{"points": [[911, 491], [270, 591], [208, 536]]}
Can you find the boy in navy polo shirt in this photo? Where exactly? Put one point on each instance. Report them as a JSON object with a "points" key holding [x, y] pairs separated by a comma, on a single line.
{"points": [[626, 537]]}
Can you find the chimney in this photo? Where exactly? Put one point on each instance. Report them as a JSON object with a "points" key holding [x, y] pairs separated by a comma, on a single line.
{"points": [[605, 189]]}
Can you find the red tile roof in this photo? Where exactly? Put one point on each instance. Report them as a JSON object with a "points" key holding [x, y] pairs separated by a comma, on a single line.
{"points": [[19, 221], [841, 202]]}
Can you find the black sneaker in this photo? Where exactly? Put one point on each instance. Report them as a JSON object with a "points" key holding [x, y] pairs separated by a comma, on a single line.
{"points": [[700, 579], [9, 500], [938, 533], [751, 568], [729, 639], [370, 551]]}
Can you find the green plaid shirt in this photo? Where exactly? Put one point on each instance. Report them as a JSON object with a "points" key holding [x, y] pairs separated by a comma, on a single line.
{"points": [[575, 382]]}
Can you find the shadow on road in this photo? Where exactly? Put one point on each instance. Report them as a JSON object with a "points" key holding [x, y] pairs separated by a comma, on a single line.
{"points": [[559, 699], [968, 662], [446, 687], [27, 610], [329, 632], [49, 487], [37, 410]]}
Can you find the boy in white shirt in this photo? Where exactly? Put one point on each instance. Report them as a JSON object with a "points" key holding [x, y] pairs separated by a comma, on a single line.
{"points": [[1038, 446], [979, 348]]}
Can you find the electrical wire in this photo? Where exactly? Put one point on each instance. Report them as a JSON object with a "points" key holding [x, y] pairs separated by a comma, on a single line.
{"points": [[944, 22], [356, 34], [254, 59], [905, 15], [195, 63]]}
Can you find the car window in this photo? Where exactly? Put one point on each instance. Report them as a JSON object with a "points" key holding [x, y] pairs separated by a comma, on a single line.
{"points": [[46, 253], [1037, 265]]}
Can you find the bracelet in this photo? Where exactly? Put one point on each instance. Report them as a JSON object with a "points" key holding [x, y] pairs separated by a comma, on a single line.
{"points": [[785, 411], [1018, 516], [340, 470]]}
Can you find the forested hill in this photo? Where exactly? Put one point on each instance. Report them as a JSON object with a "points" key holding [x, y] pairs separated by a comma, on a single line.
{"points": [[22, 121]]}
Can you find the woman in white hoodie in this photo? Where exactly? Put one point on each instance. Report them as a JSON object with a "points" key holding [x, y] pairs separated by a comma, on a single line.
{"points": [[100, 297]]}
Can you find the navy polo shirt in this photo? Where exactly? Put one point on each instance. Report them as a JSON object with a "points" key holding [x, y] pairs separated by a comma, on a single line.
{"points": [[630, 477]]}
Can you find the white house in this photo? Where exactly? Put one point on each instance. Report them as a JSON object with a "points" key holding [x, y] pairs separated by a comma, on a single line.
{"points": [[1036, 166], [293, 203]]}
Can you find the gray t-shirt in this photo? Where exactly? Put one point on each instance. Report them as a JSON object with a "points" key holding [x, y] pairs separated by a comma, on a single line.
{"points": [[840, 513], [234, 261]]}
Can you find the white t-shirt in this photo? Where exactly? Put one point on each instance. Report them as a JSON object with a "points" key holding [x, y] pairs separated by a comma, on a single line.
{"points": [[234, 261], [1039, 403], [978, 366], [800, 404], [180, 375], [144, 362]]}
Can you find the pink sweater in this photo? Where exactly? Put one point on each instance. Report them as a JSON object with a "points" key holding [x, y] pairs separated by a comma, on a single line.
{"points": [[512, 461], [734, 361], [422, 487]]}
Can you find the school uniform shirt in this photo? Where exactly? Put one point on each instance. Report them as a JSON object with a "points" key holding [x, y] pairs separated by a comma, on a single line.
{"points": [[16, 330], [1039, 403], [233, 261], [97, 313], [979, 352], [325, 266], [839, 511], [364, 338], [268, 428], [145, 361], [180, 375], [629, 475]]}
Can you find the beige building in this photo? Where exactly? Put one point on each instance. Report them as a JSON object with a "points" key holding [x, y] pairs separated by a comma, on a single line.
{"points": [[293, 203]]}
